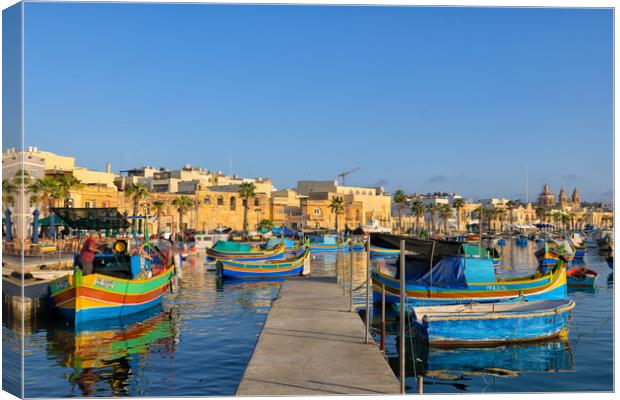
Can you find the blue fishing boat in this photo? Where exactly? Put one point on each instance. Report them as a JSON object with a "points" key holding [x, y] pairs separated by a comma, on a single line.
{"points": [[452, 278], [328, 243], [224, 250], [376, 251], [489, 324], [236, 269]]}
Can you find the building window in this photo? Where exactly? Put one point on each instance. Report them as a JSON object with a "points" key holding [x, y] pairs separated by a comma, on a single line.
{"points": [[94, 203], [87, 204], [256, 202], [207, 200], [233, 203], [220, 201], [316, 211]]}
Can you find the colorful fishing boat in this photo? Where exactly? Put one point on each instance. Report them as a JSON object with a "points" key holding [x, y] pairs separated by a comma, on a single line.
{"points": [[236, 269], [328, 243], [605, 241], [580, 276], [237, 251], [456, 279], [376, 251], [551, 250], [122, 283], [490, 324], [358, 245]]}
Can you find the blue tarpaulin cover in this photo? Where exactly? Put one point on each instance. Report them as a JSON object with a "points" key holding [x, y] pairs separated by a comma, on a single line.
{"points": [[273, 242], [449, 272], [283, 230]]}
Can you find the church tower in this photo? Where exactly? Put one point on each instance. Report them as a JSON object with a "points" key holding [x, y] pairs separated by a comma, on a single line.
{"points": [[562, 197], [576, 198]]}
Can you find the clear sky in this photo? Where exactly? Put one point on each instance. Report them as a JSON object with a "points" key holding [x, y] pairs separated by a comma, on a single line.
{"points": [[423, 99]]}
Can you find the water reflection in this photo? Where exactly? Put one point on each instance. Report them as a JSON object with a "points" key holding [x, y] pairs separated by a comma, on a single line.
{"points": [[102, 356]]}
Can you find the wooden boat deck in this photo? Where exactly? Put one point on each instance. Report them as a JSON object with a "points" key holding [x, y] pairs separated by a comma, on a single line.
{"points": [[312, 345]]}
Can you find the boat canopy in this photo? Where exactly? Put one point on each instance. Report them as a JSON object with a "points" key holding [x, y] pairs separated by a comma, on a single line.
{"points": [[283, 230], [225, 245], [420, 247], [92, 218]]}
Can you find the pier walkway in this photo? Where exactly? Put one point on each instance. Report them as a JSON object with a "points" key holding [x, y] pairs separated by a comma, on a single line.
{"points": [[312, 345]]}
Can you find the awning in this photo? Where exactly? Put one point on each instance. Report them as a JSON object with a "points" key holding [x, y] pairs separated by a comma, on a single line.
{"points": [[92, 218], [57, 221]]}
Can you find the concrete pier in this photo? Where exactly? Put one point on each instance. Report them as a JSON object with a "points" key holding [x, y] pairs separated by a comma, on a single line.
{"points": [[312, 345]]}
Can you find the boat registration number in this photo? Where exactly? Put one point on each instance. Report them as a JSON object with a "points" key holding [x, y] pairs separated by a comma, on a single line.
{"points": [[496, 287], [61, 284], [105, 283]]}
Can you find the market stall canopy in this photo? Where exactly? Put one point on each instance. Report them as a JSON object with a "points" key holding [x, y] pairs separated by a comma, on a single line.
{"points": [[91, 218], [57, 221]]}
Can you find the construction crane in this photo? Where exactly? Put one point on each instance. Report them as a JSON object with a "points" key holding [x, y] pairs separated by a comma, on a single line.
{"points": [[343, 174]]}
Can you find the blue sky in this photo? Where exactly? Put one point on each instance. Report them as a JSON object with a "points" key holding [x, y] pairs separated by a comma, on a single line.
{"points": [[424, 99]]}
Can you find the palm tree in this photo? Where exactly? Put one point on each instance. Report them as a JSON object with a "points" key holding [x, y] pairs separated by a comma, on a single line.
{"points": [[458, 205], [337, 206], [431, 208], [8, 192], [490, 213], [159, 205], [445, 212], [540, 213], [400, 199], [265, 223], [417, 208], [46, 190], [66, 184], [21, 178], [500, 214], [246, 191], [136, 192], [182, 203], [510, 204]]}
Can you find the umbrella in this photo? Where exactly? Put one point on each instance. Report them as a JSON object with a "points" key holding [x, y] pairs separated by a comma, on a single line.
{"points": [[140, 227], [52, 229], [7, 215], [35, 226]]}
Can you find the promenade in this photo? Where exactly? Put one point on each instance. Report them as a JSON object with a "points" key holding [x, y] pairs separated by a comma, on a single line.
{"points": [[312, 345]]}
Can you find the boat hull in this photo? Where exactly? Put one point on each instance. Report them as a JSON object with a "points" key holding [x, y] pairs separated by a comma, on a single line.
{"points": [[98, 296], [230, 269], [488, 328], [276, 253], [376, 251], [551, 286]]}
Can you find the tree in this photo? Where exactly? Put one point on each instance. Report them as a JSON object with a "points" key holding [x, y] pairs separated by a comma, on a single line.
{"points": [[46, 190], [417, 208], [336, 207], [540, 213], [265, 223], [458, 205], [136, 192], [159, 205], [490, 214], [445, 212], [400, 199], [431, 208], [510, 204], [8, 192], [246, 192], [66, 184], [182, 204], [500, 214]]}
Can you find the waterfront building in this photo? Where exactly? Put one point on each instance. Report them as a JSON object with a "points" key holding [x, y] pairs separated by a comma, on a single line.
{"points": [[365, 205]]}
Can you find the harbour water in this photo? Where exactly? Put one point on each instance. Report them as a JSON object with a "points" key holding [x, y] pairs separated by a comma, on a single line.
{"points": [[201, 339]]}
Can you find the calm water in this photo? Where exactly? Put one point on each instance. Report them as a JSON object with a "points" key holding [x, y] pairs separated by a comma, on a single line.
{"points": [[201, 339]]}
